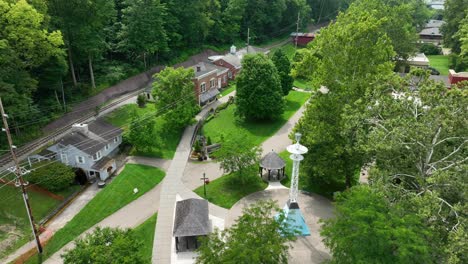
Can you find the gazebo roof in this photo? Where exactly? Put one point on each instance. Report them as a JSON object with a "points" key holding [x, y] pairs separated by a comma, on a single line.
{"points": [[272, 161], [191, 218]]}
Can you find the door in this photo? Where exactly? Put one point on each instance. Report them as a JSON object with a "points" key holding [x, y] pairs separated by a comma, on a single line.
{"points": [[219, 83]]}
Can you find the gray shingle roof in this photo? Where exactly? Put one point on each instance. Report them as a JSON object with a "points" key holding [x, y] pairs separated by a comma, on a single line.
{"points": [[272, 161], [191, 218], [101, 164], [104, 129], [82, 142], [206, 96], [205, 68]]}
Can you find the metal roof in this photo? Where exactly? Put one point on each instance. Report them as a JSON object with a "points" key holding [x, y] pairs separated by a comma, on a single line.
{"points": [[206, 96], [101, 164], [272, 161], [191, 218]]}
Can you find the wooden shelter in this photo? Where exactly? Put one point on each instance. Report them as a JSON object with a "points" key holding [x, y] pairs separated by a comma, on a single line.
{"points": [[191, 221], [272, 162]]}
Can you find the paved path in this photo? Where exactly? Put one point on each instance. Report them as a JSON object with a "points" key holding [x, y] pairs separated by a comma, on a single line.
{"points": [[129, 216], [57, 222], [314, 207], [160, 163]]}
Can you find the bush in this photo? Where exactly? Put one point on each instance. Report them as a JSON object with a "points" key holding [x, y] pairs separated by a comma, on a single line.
{"points": [[430, 49], [141, 100], [53, 177], [457, 62]]}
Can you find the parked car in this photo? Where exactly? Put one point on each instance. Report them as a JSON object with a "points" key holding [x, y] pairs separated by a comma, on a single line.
{"points": [[433, 71]]}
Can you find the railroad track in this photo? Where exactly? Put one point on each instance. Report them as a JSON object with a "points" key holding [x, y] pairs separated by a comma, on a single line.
{"points": [[30, 147]]}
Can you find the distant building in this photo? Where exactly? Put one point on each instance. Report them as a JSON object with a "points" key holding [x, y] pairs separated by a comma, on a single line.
{"points": [[208, 79], [419, 60], [431, 31], [456, 77], [302, 38], [89, 148]]}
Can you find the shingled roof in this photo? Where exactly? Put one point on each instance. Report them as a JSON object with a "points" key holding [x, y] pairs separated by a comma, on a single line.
{"points": [[191, 218], [104, 129], [272, 161], [82, 142]]}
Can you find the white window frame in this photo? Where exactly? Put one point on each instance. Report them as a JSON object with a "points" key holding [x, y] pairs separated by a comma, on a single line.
{"points": [[98, 156], [116, 139], [203, 87], [64, 158], [224, 78], [230, 74], [80, 160], [106, 147], [212, 83]]}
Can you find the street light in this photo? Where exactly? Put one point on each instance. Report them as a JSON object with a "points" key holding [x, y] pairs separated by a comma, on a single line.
{"points": [[205, 182]]}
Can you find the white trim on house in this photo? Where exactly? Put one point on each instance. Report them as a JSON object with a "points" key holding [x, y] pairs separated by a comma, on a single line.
{"points": [[80, 159], [64, 158], [212, 83], [202, 87], [97, 156]]}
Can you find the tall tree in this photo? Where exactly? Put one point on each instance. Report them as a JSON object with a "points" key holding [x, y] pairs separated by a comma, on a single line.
{"points": [[454, 12], [175, 97], [283, 65], [256, 237], [334, 157], [143, 28], [369, 229], [142, 134], [259, 95]]}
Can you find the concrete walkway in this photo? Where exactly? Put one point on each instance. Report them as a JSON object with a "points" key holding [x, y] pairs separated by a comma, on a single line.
{"points": [[129, 216], [309, 249]]}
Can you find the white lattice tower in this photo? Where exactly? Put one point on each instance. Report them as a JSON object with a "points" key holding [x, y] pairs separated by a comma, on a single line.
{"points": [[296, 151]]}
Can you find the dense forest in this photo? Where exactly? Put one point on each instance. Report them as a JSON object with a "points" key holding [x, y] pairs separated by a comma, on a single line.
{"points": [[54, 53]]}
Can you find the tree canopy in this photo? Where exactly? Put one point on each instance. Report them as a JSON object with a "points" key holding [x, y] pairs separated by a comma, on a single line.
{"points": [[259, 95], [283, 65], [256, 237]]}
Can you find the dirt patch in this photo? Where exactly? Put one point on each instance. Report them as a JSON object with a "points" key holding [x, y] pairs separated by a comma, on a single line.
{"points": [[12, 234]]}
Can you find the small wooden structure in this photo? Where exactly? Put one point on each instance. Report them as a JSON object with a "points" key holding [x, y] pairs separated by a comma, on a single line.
{"points": [[272, 162], [191, 221]]}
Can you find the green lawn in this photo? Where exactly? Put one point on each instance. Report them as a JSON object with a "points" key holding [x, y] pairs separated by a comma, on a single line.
{"points": [[169, 140], [226, 191], [440, 62], [228, 90], [13, 215], [113, 197], [289, 49], [302, 84], [145, 234], [226, 123]]}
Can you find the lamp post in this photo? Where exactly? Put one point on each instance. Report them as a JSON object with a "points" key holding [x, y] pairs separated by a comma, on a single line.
{"points": [[205, 182]]}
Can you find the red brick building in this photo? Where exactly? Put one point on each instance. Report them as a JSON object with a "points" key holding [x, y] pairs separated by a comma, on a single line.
{"points": [[302, 38], [208, 79], [456, 77]]}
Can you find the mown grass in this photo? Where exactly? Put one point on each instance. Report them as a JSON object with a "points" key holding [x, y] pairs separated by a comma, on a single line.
{"points": [[228, 90], [164, 148], [440, 63], [226, 123], [113, 197], [145, 234], [227, 190]]}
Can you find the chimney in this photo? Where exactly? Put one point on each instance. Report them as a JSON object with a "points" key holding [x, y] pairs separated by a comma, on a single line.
{"points": [[198, 68], [233, 50], [83, 128]]}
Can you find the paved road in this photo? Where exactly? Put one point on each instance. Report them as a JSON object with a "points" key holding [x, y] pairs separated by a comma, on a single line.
{"points": [[314, 207]]}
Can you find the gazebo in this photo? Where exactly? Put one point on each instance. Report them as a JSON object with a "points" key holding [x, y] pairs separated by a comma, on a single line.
{"points": [[191, 221], [272, 162]]}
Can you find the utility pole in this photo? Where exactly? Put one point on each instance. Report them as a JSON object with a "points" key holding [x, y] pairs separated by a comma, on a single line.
{"points": [[248, 39], [205, 182], [297, 27], [19, 172], [63, 96]]}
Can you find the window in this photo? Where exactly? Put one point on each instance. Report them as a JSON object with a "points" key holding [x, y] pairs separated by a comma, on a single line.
{"points": [[230, 74], [64, 158], [224, 78], [97, 156], [106, 147], [212, 83], [80, 159], [203, 87], [116, 139]]}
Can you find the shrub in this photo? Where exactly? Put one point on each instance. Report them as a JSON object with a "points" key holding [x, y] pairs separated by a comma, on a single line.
{"points": [[208, 141], [141, 100], [197, 146], [457, 62], [53, 177], [430, 49]]}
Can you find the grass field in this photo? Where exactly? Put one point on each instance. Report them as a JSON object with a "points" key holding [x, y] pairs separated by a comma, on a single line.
{"points": [[302, 84], [226, 191], [226, 123], [169, 140], [13, 215], [145, 234], [228, 90], [113, 197], [440, 62], [288, 49]]}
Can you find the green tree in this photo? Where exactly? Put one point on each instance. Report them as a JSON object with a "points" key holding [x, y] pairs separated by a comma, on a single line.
{"points": [[175, 97], [256, 237], [53, 176], [334, 157], [462, 34], [143, 28], [259, 95], [369, 229], [283, 65], [238, 157], [106, 245], [455, 11], [142, 134]]}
